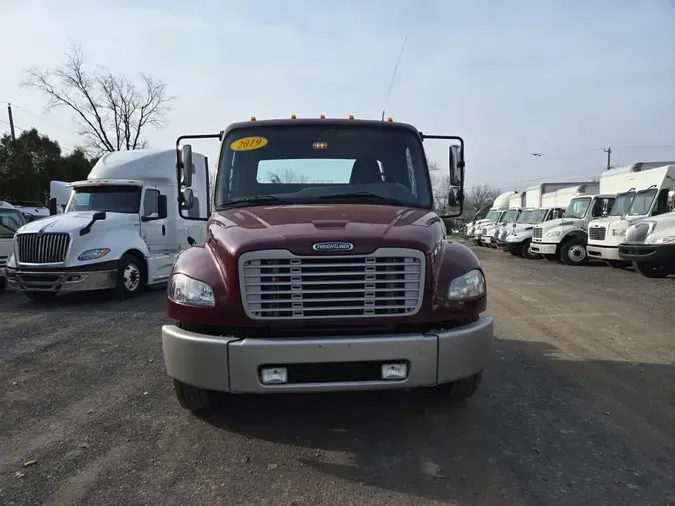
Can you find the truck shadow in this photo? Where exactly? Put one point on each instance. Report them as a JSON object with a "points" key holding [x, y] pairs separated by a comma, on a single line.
{"points": [[546, 430], [100, 300]]}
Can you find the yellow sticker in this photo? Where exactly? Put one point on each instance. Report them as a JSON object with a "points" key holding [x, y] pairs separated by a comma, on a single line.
{"points": [[248, 144]]}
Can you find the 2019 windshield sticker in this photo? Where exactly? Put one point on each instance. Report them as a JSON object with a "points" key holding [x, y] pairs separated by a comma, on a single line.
{"points": [[248, 144]]}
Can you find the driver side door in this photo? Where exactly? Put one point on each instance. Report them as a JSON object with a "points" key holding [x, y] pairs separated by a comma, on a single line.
{"points": [[153, 232]]}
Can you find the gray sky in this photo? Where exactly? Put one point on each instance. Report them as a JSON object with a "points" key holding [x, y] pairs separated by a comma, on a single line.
{"points": [[511, 77]]}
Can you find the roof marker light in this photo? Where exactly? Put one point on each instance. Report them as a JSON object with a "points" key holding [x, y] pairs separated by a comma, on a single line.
{"points": [[293, 116], [390, 120], [351, 116], [252, 118], [323, 116]]}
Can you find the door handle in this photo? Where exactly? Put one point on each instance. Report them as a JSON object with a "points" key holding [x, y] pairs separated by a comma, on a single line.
{"points": [[163, 230]]}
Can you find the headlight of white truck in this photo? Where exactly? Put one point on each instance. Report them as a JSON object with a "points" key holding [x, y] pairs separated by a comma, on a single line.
{"points": [[10, 260], [191, 292], [619, 232], [93, 254], [666, 239], [553, 233], [467, 286]]}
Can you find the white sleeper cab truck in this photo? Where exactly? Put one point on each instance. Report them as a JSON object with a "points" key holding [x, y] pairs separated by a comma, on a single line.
{"points": [[541, 204], [566, 238], [650, 245], [121, 229], [643, 193], [491, 236], [499, 207], [11, 219]]}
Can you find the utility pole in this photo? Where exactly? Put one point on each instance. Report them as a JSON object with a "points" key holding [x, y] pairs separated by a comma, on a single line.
{"points": [[609, 157], [11, 121]]}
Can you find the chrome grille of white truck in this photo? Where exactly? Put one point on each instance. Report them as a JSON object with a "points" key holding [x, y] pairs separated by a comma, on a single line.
{"points": [[597, 233], [277, 284], [536, 233], [49, 248]]}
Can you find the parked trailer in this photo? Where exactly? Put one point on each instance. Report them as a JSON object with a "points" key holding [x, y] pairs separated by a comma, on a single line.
{"points": [[121, 229], [644, 192]]}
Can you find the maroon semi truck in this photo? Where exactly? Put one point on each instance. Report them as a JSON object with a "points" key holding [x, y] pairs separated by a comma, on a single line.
{"points": [[325, 267]]}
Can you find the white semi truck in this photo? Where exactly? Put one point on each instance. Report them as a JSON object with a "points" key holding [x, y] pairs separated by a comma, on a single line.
{"points": [[11, 219], [644, 193], [542, 203], [499, 207], [121, 229], [566, 238], [490, 236], [650, 244]]}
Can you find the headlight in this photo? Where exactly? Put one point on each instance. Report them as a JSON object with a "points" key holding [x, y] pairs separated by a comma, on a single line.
{"points": [[619, 232], [467, 286], [553, 233], [656, 240], [10, 260], [186, 290], [93, 254]]}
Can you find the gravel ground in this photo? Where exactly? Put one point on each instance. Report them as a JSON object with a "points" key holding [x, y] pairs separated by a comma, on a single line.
{"points": [[576, 408]]}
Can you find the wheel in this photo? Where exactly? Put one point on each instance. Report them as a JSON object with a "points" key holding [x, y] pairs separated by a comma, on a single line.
{"points": [[617, 264], [130, 276], [192, 398], [458, 391], [525, 251], [40, 296], [573, 252], [551, 258], [650, 270]]}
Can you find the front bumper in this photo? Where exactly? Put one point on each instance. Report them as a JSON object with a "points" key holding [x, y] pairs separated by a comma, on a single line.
{"points": [[229, 364], [603, 252], [61, 280], [659, 254], [543, 248]]}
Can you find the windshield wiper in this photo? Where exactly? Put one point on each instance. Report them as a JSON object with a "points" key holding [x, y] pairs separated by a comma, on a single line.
{"points": [[261, 199], [370, 197]]}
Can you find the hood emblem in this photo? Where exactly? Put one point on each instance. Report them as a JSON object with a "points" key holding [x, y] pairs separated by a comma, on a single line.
{"points": [[333, 246]]}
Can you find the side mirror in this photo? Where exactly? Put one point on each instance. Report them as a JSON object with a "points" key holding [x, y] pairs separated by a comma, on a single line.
{"points": [[185, 165], [188, 198], [456, 198], [162, 211], [52, 207], [456, 163]]}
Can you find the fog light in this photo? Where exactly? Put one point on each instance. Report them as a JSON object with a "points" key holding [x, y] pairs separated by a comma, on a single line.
{"points": [[394, 371], [274, 375]]}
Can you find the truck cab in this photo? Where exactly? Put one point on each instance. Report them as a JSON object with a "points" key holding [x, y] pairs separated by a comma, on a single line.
{"points": [[517, 239], [565, 239], [645, 193], [325, 268], [499, 207], [490, 236], [11, 219], [650, 245], [120, 230]]}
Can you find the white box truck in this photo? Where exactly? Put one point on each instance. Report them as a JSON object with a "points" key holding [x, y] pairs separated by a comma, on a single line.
{"points": [[499, 207], [121, 229], [542, 203], [644, 192], [650, 244], [566, 238], [491, 236]]}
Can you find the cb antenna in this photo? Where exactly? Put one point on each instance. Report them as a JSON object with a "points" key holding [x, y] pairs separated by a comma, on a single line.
{"points": [[393, 77]]}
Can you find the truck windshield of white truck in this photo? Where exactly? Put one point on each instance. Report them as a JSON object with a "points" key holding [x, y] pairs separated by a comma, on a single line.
{"points": [[642, 203], [525, 216], [577, 208], [622, 203], [332, 164], [110, 198], [538, 216], [510, 216]]}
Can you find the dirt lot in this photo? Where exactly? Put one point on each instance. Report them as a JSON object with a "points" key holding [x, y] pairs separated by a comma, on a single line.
{"points": [[577, 408]]}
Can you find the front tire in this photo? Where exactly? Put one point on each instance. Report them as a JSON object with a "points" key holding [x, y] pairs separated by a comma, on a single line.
{"points": [[525, 251], [551, 258], [651, 270], [458, 391], [192, 398], [131, 276], [573, 252]]}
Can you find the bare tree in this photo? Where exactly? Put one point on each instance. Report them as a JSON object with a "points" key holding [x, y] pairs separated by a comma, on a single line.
{"points": [[112, 111], [480, 195], [280, 176]]}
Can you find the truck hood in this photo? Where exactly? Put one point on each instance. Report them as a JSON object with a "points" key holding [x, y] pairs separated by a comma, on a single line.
{"points": [[297, 228], [75, 221], [560, 222], [522, 227]]}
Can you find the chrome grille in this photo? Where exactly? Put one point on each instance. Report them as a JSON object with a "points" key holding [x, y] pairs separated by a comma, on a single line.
{"points": [[536, 233], [638, 233], [49, 248], [484, 231], [597, 233], [276, 284]]}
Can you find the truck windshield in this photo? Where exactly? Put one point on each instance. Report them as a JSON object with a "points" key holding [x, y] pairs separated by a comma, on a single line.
{"points": [[114, 199], [10, 221], [577, 207], [622, 203], [510, 216], [310, 164], [493, 215], [642, 203], [525, 216], [537, 216]]}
